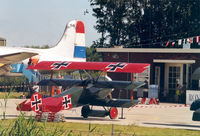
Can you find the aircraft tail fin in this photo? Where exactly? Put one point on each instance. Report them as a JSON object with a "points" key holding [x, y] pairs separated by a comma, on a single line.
{"points": [[72, 44]]}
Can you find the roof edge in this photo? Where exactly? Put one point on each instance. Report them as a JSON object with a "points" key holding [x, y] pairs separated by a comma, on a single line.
{"points": [[148, 50]]}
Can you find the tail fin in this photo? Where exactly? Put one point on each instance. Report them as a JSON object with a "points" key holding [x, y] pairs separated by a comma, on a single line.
{"points": [[72, 44]]}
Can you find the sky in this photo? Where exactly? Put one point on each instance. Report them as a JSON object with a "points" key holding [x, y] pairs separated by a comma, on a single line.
{"points": [[42, 22]]}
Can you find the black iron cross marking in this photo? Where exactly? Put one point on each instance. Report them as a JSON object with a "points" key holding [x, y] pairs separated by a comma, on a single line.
{"points": [[113, 67], [36, 102], [66, 101], [59, 65]]}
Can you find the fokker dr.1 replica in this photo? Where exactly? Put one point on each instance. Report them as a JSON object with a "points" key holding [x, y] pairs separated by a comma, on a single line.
{"points": [[84, 92]]}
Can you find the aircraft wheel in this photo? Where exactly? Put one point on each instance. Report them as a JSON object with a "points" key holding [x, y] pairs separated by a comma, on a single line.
{"points": [[85, 111], [113, 113]]}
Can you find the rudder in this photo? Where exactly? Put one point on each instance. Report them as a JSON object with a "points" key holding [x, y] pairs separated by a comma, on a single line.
{"points": [[72, 44]]}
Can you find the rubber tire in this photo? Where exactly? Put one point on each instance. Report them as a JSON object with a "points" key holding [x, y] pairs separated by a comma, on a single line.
{"points": [[113, 112], [85, 111]]}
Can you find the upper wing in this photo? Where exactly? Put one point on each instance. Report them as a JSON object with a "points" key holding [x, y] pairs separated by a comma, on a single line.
{"points": [[104, 66]]}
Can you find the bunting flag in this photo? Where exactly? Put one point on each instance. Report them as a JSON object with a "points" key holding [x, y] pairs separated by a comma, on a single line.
{"points": [[173, 43], [191, 40], [184, 41], [167, 43], [188, 40], [179, 42], [197, 39]]}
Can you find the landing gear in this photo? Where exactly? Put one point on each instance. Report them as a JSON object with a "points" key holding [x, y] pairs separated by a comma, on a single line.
{"points": [[85, 111], [113, 113]]}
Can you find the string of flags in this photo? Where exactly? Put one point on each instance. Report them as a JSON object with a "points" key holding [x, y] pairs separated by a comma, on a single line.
{"points": [[185, 42]]}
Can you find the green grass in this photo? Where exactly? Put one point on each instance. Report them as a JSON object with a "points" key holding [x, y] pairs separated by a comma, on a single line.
{"points": [[81, 129], [13, 95], [22, 126]]}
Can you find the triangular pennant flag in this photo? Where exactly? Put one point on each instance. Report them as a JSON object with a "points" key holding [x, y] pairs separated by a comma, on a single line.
{"points": [[167, 43], [173, 43], [191, 40], [197, 39], [184, 41], [188, 40], [179, 42]]}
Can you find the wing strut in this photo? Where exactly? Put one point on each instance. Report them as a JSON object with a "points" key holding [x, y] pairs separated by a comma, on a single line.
{"points": [[132, 80], [52, 87]]}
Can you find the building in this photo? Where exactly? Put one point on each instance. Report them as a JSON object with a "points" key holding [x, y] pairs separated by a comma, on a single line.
{"points": [[2, 42], [169, 67]]}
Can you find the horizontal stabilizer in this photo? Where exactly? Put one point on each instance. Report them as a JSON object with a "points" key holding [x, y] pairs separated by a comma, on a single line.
{"points": [[15, 57]]}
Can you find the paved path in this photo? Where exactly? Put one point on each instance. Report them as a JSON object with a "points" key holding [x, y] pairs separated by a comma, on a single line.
{"points": [[164, 115]]}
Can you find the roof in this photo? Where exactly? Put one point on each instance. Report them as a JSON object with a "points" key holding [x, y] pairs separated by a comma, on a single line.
{"points": [[2, 39], [149, 50]]}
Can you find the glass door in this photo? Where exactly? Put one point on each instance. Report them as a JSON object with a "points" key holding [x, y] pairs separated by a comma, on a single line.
{"points": [[174, 78]]}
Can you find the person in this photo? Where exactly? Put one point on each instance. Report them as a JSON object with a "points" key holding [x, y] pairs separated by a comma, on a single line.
{"points": [[178, 93], [35, 87], [183, 93], [30, 62], [146, 85]]}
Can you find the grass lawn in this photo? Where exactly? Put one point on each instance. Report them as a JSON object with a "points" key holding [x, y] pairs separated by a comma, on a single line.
{"points": [[12, 95], [28, 127], [80, 129]]}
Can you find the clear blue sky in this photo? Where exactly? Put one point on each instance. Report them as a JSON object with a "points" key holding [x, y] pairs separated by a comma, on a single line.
{"points": [[42, 22]]}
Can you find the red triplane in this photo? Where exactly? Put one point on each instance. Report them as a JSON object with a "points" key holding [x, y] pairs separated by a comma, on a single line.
{"points": [[84, 92]]}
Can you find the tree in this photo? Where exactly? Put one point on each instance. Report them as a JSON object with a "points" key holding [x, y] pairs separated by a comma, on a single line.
{"points": [[145, 23], [38, 47], [92, 55], [112, 21]]}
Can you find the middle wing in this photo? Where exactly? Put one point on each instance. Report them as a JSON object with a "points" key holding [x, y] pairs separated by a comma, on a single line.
{"points": [[127, 85], [103, 66]]}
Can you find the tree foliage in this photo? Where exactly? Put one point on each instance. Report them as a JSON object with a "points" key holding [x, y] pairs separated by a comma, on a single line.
{"points": [[144, 23], [38, 47], [92, 55], [11, 81]]}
